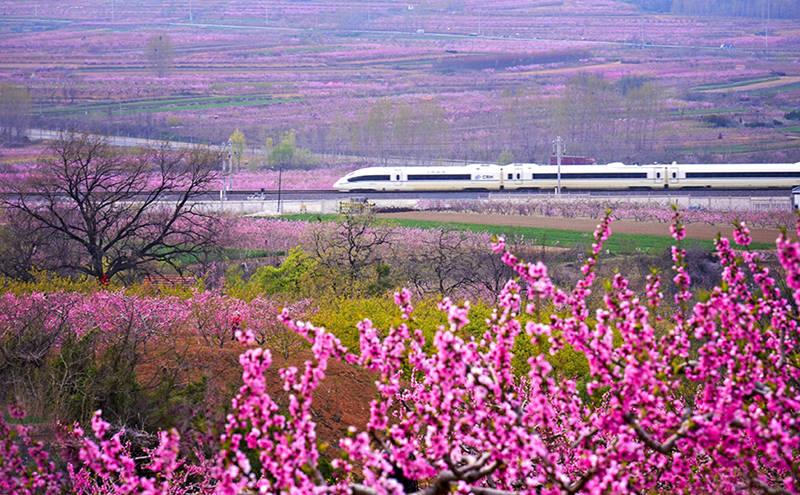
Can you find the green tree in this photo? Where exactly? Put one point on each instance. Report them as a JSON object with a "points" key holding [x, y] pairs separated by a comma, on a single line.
{"points": [[160, 53], [505, 157], [15, 109], [289, 278], [238, 143], [793, 115], [286, 154], [283, 153], [269, 145]]}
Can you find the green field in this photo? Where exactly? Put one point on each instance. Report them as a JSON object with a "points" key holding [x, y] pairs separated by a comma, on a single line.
{"points": [[737, 84], [704, 111], [776, 89], [616, 244], [171, 105]]}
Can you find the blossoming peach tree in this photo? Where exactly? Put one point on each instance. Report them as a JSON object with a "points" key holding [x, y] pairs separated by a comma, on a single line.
{"points": [[704, 400]]}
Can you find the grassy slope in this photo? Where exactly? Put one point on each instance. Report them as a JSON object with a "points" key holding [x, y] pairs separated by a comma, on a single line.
{"points": [[617, 243]]}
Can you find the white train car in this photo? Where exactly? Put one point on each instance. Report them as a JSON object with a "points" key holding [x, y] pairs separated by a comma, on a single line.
{"points": [[488, 177], [421, 178]]}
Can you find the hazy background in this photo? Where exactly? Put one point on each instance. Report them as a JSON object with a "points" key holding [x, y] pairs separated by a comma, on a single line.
{"points": [[638, 81]]}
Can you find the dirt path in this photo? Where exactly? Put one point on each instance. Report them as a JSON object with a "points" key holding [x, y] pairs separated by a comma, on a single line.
{"points": [[693, 231], [783, 80], [560, 70]]}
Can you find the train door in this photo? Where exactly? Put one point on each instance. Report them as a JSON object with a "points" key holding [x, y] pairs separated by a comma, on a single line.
{"points": [[517, 172], [397, 179], [661, 177], [674, 176]]}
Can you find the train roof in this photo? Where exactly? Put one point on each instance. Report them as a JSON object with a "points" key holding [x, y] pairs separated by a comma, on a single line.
{"points": [[389, 168]]}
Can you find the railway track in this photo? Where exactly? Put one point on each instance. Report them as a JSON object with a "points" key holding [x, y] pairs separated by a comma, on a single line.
{"points": [[270, 194], [321, 194]]}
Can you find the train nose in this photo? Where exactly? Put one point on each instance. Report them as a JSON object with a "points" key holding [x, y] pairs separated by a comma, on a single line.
{"points": [[339, 184]]}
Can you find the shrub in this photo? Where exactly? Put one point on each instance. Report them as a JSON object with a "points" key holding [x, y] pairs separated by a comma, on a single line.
{"points": [[715, 120]]}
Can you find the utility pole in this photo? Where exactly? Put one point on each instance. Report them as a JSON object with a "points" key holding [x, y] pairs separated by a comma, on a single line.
{"points": [[112, 10], [227, 172], [190, 11], [559, 150], [280, 174], [642, 27], [766, 28]]}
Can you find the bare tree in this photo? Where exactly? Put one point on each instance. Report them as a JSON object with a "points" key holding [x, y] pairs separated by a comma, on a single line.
{"points": [[15, 109], [443, 266], [24, 246], [349, 248], [117, 212], [160, 53]]}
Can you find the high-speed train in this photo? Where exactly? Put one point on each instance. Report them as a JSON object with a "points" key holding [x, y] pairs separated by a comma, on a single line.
{"points": [[489, 177]]}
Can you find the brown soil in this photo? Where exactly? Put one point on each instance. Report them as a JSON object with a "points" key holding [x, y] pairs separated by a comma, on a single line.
{"points": [[693, 231], [341, 400]]}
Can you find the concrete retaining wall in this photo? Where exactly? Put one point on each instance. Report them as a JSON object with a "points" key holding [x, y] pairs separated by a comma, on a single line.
{"points": [[331, 206]]}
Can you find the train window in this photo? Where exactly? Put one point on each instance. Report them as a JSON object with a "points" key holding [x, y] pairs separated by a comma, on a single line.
{"points": [[510, 176], [674, 175], [365, 178], [398, 178], [753, 175], [517, 176], [658, 175], [594, 175], [440, 177]]}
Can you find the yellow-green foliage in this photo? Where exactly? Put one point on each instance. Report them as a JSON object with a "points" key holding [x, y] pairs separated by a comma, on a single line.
{"points": [[295, 277], [340, 316], [289, 278], [47, 282], [182, 291], [567, 363], [303, 276]]}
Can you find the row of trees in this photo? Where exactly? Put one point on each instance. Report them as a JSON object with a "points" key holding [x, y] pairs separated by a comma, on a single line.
{"points": [[15, 109], [390, 128], [608, 120], [285, 154], [15, 100], [785, 9], [597, 117]]}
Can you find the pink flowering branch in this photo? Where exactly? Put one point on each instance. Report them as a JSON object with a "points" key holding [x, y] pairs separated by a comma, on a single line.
{"points": [[705, 401]]}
